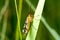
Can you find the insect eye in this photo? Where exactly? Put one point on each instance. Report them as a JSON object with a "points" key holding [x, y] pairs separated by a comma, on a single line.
{"points": [[24, 31]]}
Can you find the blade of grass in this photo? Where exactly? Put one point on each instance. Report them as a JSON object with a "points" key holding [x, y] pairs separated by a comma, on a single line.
{"points": [[18, 30], [52, 31], [37, 16], [29, 3], [20, 10], [4, 27], [4, 9], [2, 12], [16, 8]]}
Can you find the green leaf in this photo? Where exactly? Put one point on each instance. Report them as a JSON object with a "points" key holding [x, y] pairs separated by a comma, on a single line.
{"points": [[36, 20]]}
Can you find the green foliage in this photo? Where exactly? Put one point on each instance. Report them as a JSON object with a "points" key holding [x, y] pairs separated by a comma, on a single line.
{"points": [[13, 14]]}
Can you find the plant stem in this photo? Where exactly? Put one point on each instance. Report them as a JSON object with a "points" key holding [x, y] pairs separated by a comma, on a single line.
{"points": [[4, 27], [4, 9], [18, 30]]}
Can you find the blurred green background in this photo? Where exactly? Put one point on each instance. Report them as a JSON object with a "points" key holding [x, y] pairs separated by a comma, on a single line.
{"points": [[51, 13]]}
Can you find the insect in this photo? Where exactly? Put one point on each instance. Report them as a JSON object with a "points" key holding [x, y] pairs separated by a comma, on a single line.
{"points": [[27, 24]]}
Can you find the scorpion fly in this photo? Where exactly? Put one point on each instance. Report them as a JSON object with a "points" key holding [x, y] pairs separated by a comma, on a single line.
{"points": [[27, 24]]}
